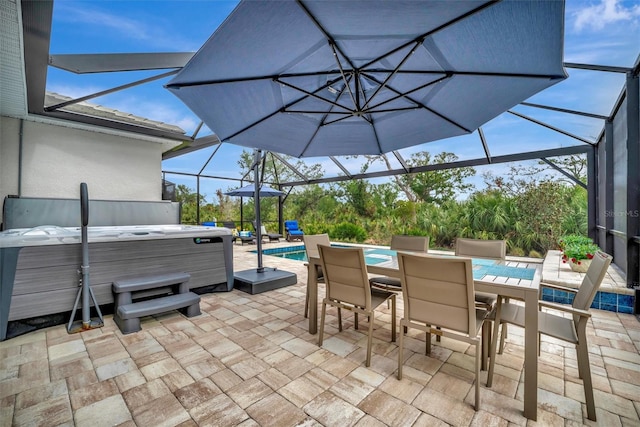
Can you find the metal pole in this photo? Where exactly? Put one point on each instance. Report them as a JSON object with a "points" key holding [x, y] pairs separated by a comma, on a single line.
{"points": [[86, 308], [256, 198]]}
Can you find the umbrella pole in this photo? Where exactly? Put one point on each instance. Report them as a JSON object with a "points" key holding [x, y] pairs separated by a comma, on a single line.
{"points": [[85, 288], [256, 198]]}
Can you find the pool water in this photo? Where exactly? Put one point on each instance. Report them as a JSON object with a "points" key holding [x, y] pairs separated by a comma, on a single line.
{"points": [[372, 256], [481, 267]]}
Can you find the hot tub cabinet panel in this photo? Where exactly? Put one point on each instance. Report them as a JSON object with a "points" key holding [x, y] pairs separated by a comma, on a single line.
{"points": [[44, 277]]}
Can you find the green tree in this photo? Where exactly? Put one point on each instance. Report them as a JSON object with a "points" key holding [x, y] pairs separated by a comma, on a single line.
{"points": [[189, 203], [436, 186]]}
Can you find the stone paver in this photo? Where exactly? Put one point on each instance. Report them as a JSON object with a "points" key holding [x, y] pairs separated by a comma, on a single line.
{"points": [[249, 361]]}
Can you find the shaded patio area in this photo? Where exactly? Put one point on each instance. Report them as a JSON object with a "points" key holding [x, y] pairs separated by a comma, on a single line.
{"points": [[249, 360]]}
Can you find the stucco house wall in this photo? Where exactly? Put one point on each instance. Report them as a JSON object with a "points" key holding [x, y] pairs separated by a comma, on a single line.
{"points": [[56, 158]]}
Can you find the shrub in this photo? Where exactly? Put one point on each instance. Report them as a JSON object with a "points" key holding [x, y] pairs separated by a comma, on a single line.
{"points": [[516, 252], [348, 232], [534, 254]]}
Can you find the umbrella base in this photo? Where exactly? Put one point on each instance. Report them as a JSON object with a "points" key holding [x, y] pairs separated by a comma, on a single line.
{"points": [[79, 326], [255, 282]]}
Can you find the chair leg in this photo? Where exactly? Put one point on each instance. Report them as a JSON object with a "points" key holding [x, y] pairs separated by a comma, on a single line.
{"points": [[477, 367], [486, 342], [393, 318], [400, 351], [322, 316], [306, 303], [339, 319], [427, 350], [438, 337], [494, 343], [503, 335], [369, 342], [585, 369], [355, 320]]}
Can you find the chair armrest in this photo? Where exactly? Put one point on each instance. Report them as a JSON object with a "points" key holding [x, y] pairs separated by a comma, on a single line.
{"points": [[565, 308], [558, 287]]}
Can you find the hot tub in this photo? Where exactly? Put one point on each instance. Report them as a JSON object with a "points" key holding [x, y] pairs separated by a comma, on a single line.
{"points": [[39, 267]]}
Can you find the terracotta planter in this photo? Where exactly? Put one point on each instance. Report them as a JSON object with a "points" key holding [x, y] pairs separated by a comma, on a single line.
{"points": [[582, 267]]}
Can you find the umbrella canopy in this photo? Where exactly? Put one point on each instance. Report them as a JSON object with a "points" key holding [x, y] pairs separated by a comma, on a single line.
{"points": [[250, 191], [315, 78]]}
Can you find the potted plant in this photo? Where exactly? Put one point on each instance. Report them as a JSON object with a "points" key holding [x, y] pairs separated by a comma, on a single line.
{"points": [[577, 251]]}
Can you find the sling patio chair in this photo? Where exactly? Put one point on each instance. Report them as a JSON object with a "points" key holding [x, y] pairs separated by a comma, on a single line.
{"points": [[347, 287], [311, 242], [400, 243], [439, 299], [273, 237], [571, 329], [488, 249]]}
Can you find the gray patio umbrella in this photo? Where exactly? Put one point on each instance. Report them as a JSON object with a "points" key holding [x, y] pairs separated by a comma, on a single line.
{"points": [[250, 191], [315, 78], [262, 191]]}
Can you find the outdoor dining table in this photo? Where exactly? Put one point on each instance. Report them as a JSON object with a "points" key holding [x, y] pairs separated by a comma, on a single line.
{"points": [[514, 279]]}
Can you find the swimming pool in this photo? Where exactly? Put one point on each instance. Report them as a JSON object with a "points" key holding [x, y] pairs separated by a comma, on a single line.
{"points": [[481, 267], [372, 255]]}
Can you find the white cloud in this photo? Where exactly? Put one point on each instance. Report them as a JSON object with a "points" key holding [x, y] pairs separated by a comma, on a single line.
{"points": [[596, 17], [73, 91], [156, 111], [148, 31]]}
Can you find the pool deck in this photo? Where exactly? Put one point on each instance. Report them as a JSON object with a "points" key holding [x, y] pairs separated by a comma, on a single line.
{"points": [[248, 360]]}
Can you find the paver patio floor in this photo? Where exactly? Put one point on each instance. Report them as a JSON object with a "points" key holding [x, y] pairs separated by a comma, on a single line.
{"points": [[248, 360]]}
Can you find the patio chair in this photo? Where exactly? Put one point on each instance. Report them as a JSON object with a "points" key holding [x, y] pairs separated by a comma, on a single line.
{"points": [[293, 231], [400, 243], [311, 242], [477, 248], [273, 237], [571, 329], [489, 249], [438, 295], [234, 231], [347, 286]]}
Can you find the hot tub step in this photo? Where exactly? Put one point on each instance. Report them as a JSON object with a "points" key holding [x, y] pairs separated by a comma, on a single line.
{"points": [[172, 292], [128, 316]]}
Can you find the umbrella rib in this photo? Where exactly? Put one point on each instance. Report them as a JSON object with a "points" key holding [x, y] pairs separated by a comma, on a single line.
{"points": [[342, 73], [393, 73], [268, 116], [421, 105], [323, 123], [433, 31], [311, 94], [325, 32], [486, 74], [248, 79], [411, 91]]}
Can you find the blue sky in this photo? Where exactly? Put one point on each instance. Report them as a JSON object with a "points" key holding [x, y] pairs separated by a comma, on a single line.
{"points": [[604, 32]]}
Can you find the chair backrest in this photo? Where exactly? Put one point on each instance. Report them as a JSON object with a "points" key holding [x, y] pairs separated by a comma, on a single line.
{"points": [[291, 224], [229, 224], [345, 275], [410, 243], [477, 248], [311, 242], [438, 291], [263, 230], [591, 282]]}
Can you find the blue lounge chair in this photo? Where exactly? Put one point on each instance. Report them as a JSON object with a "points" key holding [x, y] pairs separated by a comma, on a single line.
{"points": [[293, 231]]}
